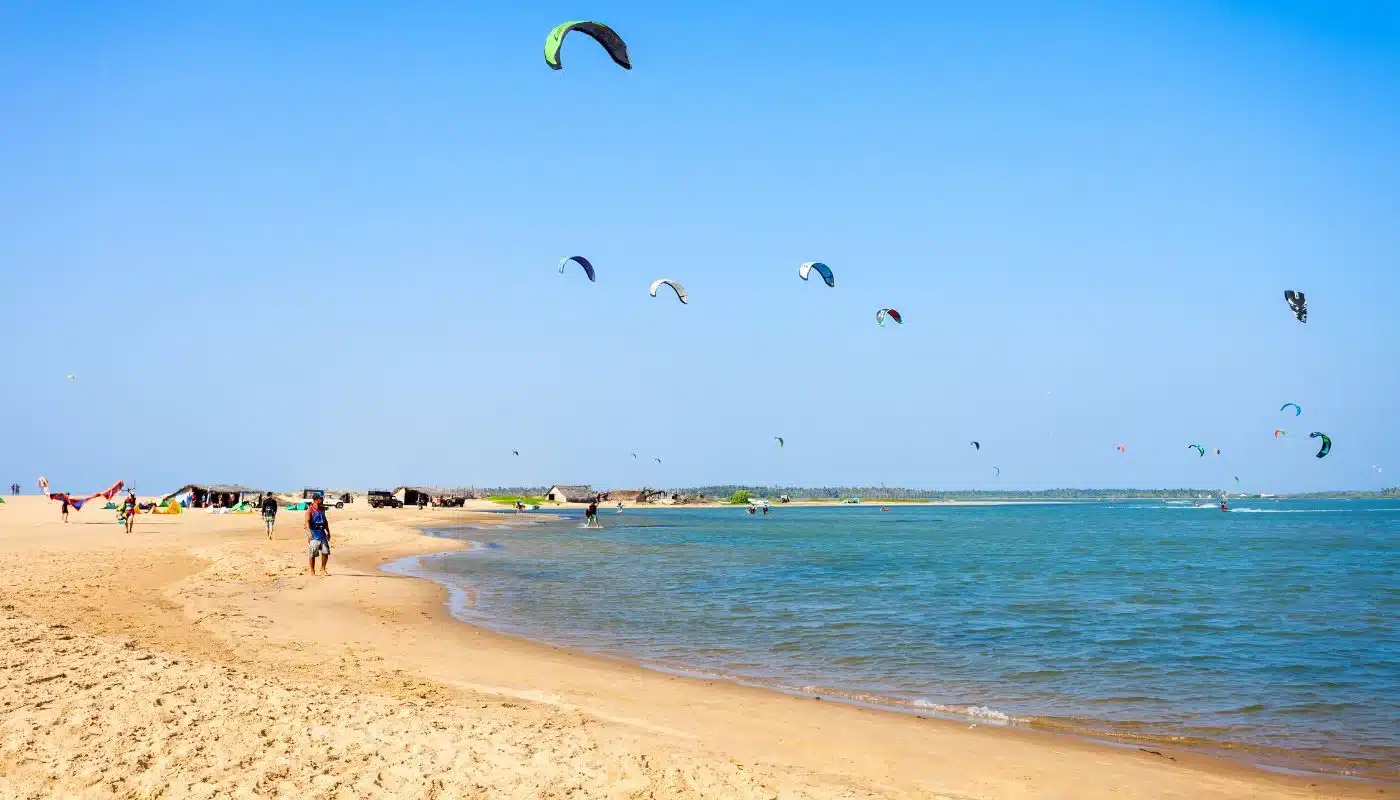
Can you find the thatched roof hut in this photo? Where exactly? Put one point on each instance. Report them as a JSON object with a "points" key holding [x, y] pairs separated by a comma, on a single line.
{"points": [[570, 494], [227, 494]]}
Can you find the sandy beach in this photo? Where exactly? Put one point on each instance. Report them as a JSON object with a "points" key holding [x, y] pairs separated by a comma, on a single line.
{"points": [[195, 658]]}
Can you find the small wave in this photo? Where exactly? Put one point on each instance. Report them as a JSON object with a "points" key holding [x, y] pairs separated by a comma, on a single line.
{"points": [[1283, 510], [975, 712]]}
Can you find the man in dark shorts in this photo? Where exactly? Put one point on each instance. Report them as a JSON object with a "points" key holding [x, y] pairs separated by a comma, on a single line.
{"points": [[318, 534], [269, 512], [65, 508]]}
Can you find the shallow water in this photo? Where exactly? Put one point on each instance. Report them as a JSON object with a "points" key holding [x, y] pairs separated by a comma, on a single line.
{"points": [[1273, 630]]}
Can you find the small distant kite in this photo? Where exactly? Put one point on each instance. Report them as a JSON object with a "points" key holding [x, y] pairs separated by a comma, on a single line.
{"points": [[1297, 409], [821, 269], [601, 33], [1279, 432], [634, 456], [658, 461], [887, 313], [976, 445], [1326, 443], [1377, 468], [515, 452], [1217, 451], [1121, 449], [1298, 303], [1199, 449], [780, 441], [680, 290], [998, 471], [1237, 481], [72, 377], [582, 262]]}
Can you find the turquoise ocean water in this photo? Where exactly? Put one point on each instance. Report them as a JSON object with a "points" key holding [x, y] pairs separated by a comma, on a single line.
{"points": [[1273, 631]]}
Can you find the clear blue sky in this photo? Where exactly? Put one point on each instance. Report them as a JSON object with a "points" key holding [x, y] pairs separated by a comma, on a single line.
{"points": [[315, 243]]}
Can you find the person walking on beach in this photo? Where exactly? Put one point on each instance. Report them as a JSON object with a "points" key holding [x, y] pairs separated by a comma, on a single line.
{"points": [[129, 510], [65, 508], [269, 512], [318, 534]]}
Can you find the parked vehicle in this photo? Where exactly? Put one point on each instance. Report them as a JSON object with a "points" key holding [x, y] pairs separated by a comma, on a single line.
{"points": [[331, 501], [378, 498]]}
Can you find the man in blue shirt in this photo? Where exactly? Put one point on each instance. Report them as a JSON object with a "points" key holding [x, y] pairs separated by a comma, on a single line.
{"points": [[318, 534]]}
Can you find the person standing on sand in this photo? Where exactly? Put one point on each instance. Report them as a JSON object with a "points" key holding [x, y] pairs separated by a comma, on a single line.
{"points": [[129, 510], [65, 508], [269, 512], [318, 534]]}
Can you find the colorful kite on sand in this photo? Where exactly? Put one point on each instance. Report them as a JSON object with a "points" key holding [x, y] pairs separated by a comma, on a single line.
{"points": [[77, 502]]}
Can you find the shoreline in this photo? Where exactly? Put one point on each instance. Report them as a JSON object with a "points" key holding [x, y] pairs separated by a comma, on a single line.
{"points": [[196, 653], [1265, 759]]}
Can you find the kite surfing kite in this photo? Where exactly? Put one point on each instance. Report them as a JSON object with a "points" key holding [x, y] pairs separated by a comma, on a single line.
{"points": [[1377, 468], [515, 452], [1297, 409], [77, 502], [600, 33], [634, 456], [1298, 303], [1121, 449], [780, 441], [658, 461], [821, 269], [976, 445], [887, 313], [582, 262], [1199, 449], [1279, 432], [72, 377], [1217, 451], [680, 290], [998, 470], [1326, 443]]}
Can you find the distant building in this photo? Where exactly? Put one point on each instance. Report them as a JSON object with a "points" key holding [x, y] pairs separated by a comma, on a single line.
{"points": [[432, 496], [224, 495], [570, 494]]}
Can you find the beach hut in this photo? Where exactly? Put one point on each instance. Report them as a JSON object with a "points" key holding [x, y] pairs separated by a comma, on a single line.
{"points": [[431, 495], [224, 495], [570, 494], [414, 495]]}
